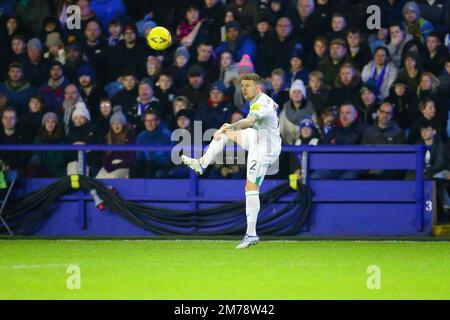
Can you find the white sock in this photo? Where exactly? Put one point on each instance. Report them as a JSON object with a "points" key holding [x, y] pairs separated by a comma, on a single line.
{"points": [[214, 148], [251, 210]]}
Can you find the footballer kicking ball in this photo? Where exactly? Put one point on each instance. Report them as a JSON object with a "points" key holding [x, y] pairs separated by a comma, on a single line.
{"points": [[159, 38]]}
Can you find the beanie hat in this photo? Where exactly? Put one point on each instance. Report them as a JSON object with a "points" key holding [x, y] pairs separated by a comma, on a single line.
{"points": [[53, 39], [118, 116], [233, 25], [370, 85], [49, 116], [246, 64], [86, 70], [35, 43], [184, 113], [182, 51], [307, 123], [218, 85], [298, 52], [411, 6], [148, 24], [81, 110], [298, 85]]}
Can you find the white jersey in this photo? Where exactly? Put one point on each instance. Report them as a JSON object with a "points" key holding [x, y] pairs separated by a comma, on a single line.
{"points": [[267, 124]]}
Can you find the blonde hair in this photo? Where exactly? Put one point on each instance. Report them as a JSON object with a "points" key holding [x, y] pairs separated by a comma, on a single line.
{"points": [[434, 82]]}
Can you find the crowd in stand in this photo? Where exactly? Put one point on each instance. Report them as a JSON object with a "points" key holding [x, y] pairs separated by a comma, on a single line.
{"points": [[335, 81]]}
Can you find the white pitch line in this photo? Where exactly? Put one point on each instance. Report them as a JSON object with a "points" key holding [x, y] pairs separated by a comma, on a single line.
{"points": [[38, 266]]}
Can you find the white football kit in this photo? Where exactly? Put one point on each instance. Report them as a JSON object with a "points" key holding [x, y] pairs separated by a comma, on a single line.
{"points": [[262, 141]]}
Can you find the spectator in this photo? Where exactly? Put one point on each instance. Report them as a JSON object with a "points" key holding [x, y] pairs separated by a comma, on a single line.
{"points": [[117, 164], [50, 163], [404, 109], [412, 70], [18, 49], [359, 53], [391, 11], [278, 90], [71, 98], [330, 66], [385, 130], [55, 48], [53, 91], [206, 60], [429, 89], [248, 12], [414, 23], [30, 12], [280, 48], [83, 132], [180, 68], [87, 15], [95, 47], [31, 121], [434, 154], [338, 25], [378, 39], [262, 35], [367, 110], [217, 110], [381, 70], [178, 104], [326, 122], [153, 164], [297, 70], [153, 69], [434, 55], [115, 29], [213, 11], [36, 67], [9, 134], [239, 44], [165, 93], [191, 30], [294, 111], [346, 87], [428, 113], [127, 97], [436, 13], [317, 92], [307, 22], [106, 10], [16, 88], [400, 43], [318, 53], [195, 90], [90, 92], [104, 116], [145, 101], [229, 15], [74, 60], [349, 133], [308, 137], [131, 54], [228, 68]]}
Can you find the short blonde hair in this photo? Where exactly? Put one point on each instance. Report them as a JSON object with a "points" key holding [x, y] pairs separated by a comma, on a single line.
{"points": [[252, 77]]}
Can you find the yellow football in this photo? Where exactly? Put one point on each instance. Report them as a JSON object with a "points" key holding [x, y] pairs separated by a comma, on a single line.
{"points": [[159, 38]]}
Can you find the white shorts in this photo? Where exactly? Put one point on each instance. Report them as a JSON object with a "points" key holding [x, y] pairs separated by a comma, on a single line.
{"points": [[259, 159]]}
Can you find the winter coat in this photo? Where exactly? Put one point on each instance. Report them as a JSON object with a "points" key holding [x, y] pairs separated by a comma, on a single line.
{"points": [[18, 97], [160, 136], [389, 77], [390, 135]]}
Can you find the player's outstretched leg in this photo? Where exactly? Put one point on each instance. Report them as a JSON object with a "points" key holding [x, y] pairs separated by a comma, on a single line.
{"points": [[214, 148]]}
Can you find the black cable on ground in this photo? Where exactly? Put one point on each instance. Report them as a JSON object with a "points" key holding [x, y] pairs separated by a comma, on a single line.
{"points": [[27, 214]]}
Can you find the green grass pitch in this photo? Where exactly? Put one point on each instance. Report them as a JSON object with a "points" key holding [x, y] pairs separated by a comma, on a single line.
{"points": [[189, 269]]}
